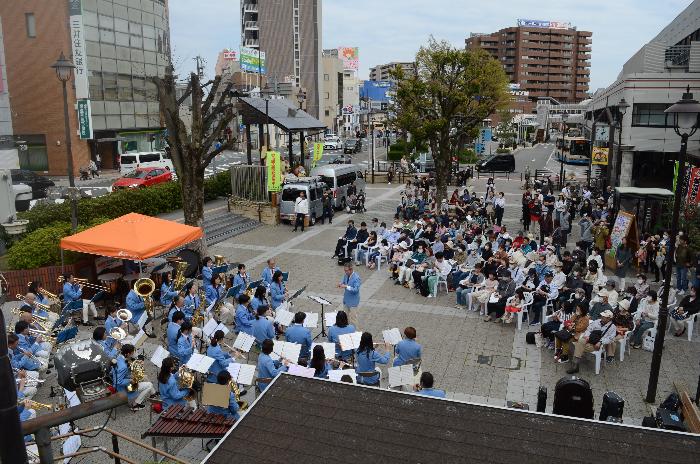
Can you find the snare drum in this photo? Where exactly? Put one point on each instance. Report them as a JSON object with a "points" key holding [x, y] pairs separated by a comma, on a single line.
{"points": [[111, 281]]}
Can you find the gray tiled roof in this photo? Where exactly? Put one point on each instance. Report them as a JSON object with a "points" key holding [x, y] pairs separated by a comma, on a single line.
{"points": [[309, 420], [281, 112]]}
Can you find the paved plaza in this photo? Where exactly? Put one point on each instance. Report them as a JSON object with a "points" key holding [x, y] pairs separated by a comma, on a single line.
{"points": [[472, 360]]}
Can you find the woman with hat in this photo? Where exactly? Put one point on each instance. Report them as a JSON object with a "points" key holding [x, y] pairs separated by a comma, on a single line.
{"points": [[645, 318], [624, 322]]}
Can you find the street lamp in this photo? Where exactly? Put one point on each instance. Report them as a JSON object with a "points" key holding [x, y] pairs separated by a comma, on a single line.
{"points": [[622, 107], [301, 97], [266, 93], [685, 119], [64, 68], [564, 117]]}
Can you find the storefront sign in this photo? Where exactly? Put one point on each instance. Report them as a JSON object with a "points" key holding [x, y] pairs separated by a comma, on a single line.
{"points": [[544, 24], [600, 156], [274, 171], [252, 60], [77, 38], [84, 119], [693, 197]]}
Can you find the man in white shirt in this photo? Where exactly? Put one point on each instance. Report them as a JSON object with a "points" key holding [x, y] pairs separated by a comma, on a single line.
{"points": [[301, 208], [442, 269], [607, 332]]}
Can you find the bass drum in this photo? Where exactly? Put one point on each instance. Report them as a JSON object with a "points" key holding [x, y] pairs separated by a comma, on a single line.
{"points": [[81, 362], [193, 261], [573, 397]]}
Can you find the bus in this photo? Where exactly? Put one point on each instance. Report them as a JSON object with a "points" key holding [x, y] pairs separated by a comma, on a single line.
{"points": [[575, 150]]}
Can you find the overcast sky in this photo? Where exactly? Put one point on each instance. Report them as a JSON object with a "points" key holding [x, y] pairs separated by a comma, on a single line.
{"points": [[393, 30]]}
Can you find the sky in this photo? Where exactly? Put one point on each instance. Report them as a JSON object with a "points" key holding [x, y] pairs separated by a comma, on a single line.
{"points": [[393, 30]]}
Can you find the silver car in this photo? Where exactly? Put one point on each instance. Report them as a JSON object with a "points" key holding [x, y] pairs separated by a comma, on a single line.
{"points": [[312, 187]]}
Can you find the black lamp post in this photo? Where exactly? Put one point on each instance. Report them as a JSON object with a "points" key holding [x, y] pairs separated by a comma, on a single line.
{"points": [[64, 69], [622, 107], [564, 117], [685, 122], [266, 93]]}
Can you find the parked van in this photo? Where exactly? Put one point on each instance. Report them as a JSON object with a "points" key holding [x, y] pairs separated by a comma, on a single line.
{"points": [[157, 159], [501, 162], [338, 178], [313, 187]]}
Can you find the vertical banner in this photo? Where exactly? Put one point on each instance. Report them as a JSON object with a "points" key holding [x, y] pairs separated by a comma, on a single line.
{"points": [[77, 38], [693, 197], [675, 175], [84, 119], [274, 171], [318, 153]]}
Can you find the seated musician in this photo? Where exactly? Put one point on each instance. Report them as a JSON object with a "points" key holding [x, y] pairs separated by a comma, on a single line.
{"points": [[278, 292], [341, 327], [263, 328], [36, 289], [426, 386], [121, 379], [224, 378], [207, 271], [268, 272], [242, 279], [297, 333], [221, 358], [167, 290], [408, 348], [109, 345], [217, 291], [267, 367], [259, 298], [21, 360], [73, 291], [190, 303], [170, 391], [22, 381], [31, 344], [244, 318], [112, 321], [137, 306], [367, 359], [319, 363], [185, 343], [173, 329]]}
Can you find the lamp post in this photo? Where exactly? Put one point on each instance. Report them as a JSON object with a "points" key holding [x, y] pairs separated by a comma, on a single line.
{"points": [[64, 68], [564, 117], [301, 97], [622, 107], [685, 118]]}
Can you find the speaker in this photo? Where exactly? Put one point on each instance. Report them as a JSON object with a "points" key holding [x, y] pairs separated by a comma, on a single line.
{"points": [[542, 399], [573, 397], [613, 406]]}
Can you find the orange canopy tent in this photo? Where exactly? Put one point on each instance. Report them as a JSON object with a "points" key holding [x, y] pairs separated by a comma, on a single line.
{"points": [[132, 236]]}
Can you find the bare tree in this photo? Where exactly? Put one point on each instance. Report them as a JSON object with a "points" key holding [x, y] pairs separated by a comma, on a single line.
{"points": [[192, 149]]}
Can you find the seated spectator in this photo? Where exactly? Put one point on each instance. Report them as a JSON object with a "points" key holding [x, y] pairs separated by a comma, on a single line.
{"points": [[645, 318], [571, 331], [599, 333], [688, 307]]}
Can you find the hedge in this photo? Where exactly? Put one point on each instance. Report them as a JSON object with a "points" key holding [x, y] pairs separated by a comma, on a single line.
{"points": [[397, 151], [467, 156]]}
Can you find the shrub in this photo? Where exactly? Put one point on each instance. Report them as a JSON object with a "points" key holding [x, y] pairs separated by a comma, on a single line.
{"points": [[397, 151], [503, 150], [217, 186], [467, 156]]}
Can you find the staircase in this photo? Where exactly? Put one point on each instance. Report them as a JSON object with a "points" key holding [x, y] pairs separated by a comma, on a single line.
{"points": [[224, 225]]}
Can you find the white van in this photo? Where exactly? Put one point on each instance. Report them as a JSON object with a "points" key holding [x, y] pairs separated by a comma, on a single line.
{"points": [[338, 178], [130, 161]]}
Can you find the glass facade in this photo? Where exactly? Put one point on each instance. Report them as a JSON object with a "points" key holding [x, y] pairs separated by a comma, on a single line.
{"points": [[126, 41]]}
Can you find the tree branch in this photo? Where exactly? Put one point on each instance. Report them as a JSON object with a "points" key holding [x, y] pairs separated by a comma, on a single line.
{"points": [[188, 92]]}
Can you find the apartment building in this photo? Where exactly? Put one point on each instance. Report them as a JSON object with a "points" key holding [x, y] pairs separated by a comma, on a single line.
{"points": [[332, 90], [381, 72], [289, 32], [542, 58]]}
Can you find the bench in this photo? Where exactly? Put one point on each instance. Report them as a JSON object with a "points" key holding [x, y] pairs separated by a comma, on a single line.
{"points": [[691, 414]]}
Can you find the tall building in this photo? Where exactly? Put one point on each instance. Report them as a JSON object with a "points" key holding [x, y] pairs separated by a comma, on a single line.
{"points": [[289, 33], [332, 89], [116, 45], [542, 59], [381, 71]]}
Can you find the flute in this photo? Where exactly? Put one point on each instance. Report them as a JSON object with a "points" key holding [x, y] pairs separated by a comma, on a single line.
{"points": [[236, 353]]}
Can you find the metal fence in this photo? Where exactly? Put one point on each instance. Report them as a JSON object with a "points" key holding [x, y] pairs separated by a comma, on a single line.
{"points": [[249, 182]]}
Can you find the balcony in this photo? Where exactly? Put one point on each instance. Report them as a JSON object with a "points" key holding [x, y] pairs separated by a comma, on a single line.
{"points": [[677, 56], [251, 43], [250, 8], [251, 26]]}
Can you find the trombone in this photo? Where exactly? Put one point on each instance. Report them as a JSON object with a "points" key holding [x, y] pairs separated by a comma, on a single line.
{"points": [[36, 319], [46, 293], [85, 283], [35, 405]]}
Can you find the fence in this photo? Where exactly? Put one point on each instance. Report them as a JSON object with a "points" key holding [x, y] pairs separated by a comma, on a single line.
{"points": [[48, 276], [249, 183]]}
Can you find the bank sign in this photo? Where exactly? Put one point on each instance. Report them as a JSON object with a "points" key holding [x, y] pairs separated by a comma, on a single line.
{"points": [[77, 38], [544, 24], [84, 119]]}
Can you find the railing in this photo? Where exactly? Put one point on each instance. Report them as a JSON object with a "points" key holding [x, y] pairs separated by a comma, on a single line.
{"points": [[249, 182], [251, 25], [250, 7], [251, 42], [677, 56]]}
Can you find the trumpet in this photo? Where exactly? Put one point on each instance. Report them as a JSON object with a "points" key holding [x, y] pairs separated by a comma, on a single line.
{"points": [[124, 315], [85, 283], [36, 405], [21, 297], [44, 334]]}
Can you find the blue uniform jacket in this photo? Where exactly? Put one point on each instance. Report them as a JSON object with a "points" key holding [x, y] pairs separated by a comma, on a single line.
{"points": [[432, 392], [207, 274], [297, 333], [277, 294], [171, 394], [19, 361], [121, 377], [192, 302], [167, 295], [267, 274], [256, 303], [267, 368], [323, 374], [26, 342], [231, 411], [171, 335], [107, 345], [405, 350], [366, 363], [262, 330], [214, 293], [334, 333], [242, 281], [222, 360], [135, 304], [243, 320], [71, 293], [184, 348], [351, 295]]}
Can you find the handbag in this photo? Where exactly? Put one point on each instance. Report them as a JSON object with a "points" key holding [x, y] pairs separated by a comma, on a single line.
{"points": [[597, 335], [648, 342]]}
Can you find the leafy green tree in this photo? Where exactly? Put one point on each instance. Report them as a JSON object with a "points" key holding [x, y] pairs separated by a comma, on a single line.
{"points": [[452, 91]]}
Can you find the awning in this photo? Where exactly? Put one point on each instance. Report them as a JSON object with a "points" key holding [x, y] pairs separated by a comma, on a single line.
{"points": [[132, 236], [280, 112], [636, 192]]}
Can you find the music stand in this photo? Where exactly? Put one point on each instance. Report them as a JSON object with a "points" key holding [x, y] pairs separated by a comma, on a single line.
{"points": [[67, 334], [233, 291], [255, 284], [297, 293], [69, 309], [323, 302]]}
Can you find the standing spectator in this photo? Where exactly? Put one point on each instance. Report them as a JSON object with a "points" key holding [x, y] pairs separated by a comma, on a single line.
{"points": [[586, 235], [93, 169], [600, 234], [683, 262], [527, 198], [623, 256], [499, 204], [327, 208], [301, 208], [98, 161]]}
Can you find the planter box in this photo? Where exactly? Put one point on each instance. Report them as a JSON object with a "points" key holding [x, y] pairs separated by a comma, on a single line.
{"points": [[262, 212]]}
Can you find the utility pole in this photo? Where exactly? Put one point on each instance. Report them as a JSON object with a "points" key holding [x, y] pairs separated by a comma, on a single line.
{"points": [[200, 66]]}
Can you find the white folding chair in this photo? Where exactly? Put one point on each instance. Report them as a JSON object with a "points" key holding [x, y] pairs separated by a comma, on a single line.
{"points": [[691, 325], [441, 280], [475, 289], [379, 260], [599, 355], [624, 344], [526, 306]]}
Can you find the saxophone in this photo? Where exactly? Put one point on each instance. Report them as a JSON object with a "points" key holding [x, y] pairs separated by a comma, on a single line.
{"points": [[138, 373], [198, 316], [179, 279], [237, 395], [185, 377]]}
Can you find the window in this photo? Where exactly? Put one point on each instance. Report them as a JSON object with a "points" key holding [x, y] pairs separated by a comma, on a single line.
{"points": [[328, 113], [30, 22], [149, 158], [326, 77], [327, 95], [650, 115]]}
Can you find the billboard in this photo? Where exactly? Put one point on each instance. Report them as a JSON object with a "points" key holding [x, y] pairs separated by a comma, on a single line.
{"points": [[544, 24], [350, 58], [84, 119], [252, 60], [229, 55], [600, 156], [77, 38]]}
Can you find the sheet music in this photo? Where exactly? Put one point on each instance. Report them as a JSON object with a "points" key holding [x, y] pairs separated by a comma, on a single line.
{"points": [[401, 375], [328, 349], [142, 320], [159, 355], [336, 374], [330, 318], [200, 363], [70, 446], [244, 342], [136, 340], [350, 341], [211, 327], [284, 317], [301, 371], [242, 373], [320, 300], [311, 320], [287, 350], [391, 336]]}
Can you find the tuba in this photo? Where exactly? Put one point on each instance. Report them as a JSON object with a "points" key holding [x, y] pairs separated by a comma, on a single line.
{"points": [[144, 288], [237, 394], [138, 373], [198, 315]]}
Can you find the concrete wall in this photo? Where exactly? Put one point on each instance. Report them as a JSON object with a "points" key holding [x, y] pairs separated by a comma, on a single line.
{"points": [[5, 112]]}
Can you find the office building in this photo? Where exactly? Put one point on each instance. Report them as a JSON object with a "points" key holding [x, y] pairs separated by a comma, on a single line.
{"points": [[542, 59], [351, 102], [653, 79], [289, 33], [116, 46], [332, 89], [381, 72]]}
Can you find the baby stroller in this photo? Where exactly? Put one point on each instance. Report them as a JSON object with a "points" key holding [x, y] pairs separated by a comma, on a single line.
{"points": [[84, 173], [356, 203]]}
